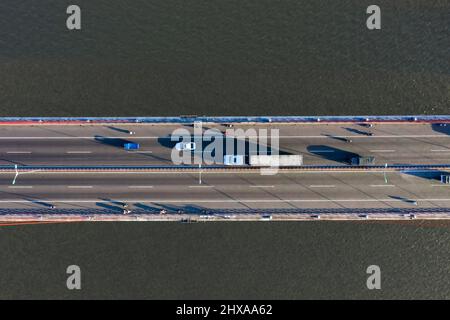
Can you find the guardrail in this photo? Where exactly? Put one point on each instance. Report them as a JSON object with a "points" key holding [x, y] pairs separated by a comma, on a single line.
{"points": [[153, 213], [231, 119], [205, 212]]}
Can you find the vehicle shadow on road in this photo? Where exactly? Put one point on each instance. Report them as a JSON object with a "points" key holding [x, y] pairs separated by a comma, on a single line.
{"points": [[357, 131], [403, 199], [441, 128], [337, 138], [113, 142], [32, 200], [184, 209], [115, 202], [146, 207], [331, 153], [14, 162], [167, 142], [108, 206], [119, 129], [40, 202], [427, 174]]}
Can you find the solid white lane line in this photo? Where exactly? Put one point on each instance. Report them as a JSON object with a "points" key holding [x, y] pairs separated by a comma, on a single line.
{"points": [[322, 186], [440, 150], [262, 186], [18, 152], [300, 172], [201, 186], [20, 187], [440, 185], [70, 152], [190, 200], [382, 150], [79, 187], [144, 151], [283, 136], [361, 136], [382, 185], [74, 138], [140, 187]]}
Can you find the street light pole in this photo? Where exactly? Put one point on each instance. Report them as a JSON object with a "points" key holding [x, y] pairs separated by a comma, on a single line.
{"points": [[17, 173]]}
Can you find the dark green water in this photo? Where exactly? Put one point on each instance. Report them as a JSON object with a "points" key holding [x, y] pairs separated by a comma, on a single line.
{"points": [[216, 57], [259, 260], [253, 57]]}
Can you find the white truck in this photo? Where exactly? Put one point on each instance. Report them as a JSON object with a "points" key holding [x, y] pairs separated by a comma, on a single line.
{"points": [[276, 160]]}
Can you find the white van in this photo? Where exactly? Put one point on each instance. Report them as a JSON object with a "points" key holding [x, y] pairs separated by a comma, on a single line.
{"points": [[233, 160]]}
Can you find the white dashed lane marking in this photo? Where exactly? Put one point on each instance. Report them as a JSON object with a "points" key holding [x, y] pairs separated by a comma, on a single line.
{"points": [[18, 152], [262, 186], [77, 152], [79, 187], [140, 187], [382, 185], [322, 186], [20, 187]]}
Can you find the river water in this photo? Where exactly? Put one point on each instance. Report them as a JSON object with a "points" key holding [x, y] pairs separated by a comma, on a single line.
{"points": [[216, 57]]}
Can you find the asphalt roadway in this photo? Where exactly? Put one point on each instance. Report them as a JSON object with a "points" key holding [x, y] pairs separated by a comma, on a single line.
{"points": [[239, 191], [320, 144], [235, 190]]}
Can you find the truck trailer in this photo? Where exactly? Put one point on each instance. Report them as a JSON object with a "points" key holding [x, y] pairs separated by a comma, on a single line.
{"points": [[276, 160], [362, 161]]}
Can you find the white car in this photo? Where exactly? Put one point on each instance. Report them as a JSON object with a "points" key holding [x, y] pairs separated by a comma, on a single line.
{"points": [[233, 160], [181, 146]]}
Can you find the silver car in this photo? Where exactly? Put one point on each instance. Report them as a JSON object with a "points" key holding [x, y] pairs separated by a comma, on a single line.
{"points": [[188, 146]]}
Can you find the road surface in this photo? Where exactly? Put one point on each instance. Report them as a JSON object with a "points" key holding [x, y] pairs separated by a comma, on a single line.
{"points": [[320, 144], [234, 192]]}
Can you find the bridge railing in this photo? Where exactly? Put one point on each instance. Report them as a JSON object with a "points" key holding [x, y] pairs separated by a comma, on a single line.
{"points": [[231, 119]]}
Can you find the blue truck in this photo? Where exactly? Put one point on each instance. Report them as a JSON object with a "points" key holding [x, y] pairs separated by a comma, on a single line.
{"points": [[131, 146]]}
